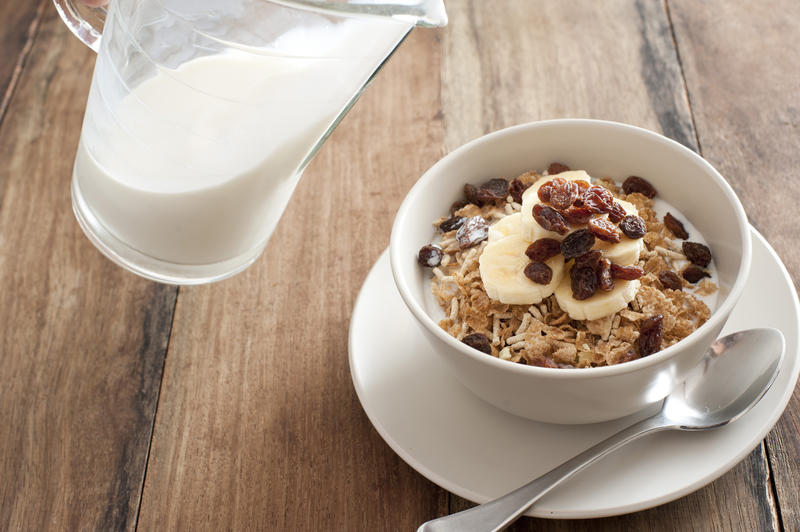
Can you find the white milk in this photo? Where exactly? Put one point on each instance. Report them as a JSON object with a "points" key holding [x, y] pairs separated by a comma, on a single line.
{"points": [[202, 176]]}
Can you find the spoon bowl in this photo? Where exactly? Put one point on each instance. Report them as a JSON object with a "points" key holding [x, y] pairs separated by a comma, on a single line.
{"points": [[734, 374]]}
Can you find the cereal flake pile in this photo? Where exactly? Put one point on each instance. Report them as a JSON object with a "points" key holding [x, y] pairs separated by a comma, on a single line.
{"points": [[543, 334]]}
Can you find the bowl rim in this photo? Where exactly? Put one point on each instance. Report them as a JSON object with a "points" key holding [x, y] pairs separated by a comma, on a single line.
{"points": [[717, 318]]}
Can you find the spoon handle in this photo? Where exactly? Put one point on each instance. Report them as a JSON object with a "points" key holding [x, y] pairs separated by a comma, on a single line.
{"points": [[501, 512]]}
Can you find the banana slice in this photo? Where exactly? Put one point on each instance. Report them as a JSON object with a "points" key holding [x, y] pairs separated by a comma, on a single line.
{"points": [[502, 266], [530, 227], [626, 251], [600, 304], [505, 226]]}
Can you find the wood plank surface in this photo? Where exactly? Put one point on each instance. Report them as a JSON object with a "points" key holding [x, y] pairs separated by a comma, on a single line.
{"points": [[258, 424], [512, 61], [611, 60], [126, 404], [82, 342], [19, 26], [745, 91]]}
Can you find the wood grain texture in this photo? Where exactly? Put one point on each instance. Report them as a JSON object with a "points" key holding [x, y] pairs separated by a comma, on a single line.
{"points": [[258, 424], [82, 342], [523, 62], [745, 91], [20, 22], [611, 60]]}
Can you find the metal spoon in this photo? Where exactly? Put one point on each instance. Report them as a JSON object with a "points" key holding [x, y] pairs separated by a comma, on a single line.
{"points": [[734, 374]]}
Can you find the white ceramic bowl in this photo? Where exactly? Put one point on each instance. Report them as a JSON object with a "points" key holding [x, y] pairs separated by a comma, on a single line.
{"points": [[682, 178]]}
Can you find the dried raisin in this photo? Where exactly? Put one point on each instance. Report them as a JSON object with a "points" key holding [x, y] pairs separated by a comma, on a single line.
{"points": [[626, 273], [583, 186], [604, 277], [697, 253], [633, 226], [635, 183], [544, 192], [617, 212], [478, 341], [670, 280], [473, 231], [543, 249], [470, 192], [516, 188], [550, 219], [577, 215], [493, 191], [564, 193], [675, 226], [458, 205], [693, 273], [651, 331], [451, 223], [589, 260], [539, 272], [557, 168], [604, 230], [484, 197], [584, 283], [430, 256], [577, 243], [599, 199]]}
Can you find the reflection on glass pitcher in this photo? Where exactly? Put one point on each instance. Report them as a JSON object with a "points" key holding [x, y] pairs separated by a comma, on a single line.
{"points": [[202, 115]]}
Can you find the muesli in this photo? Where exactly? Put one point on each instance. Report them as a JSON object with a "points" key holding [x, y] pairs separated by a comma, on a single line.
{"points": [[563, 270]]}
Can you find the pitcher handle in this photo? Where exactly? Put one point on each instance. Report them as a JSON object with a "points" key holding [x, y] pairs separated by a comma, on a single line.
{"points": [[78, 25]]}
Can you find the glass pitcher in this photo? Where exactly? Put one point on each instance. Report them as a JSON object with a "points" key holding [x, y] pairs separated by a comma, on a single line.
{"points": [[202, 115]]}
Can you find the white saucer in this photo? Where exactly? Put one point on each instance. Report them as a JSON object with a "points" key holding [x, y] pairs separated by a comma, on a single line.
{"points": [[479, 452]]}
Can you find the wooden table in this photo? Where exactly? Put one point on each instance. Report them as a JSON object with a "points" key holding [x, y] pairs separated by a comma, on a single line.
{"points": [[127, 404]]}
